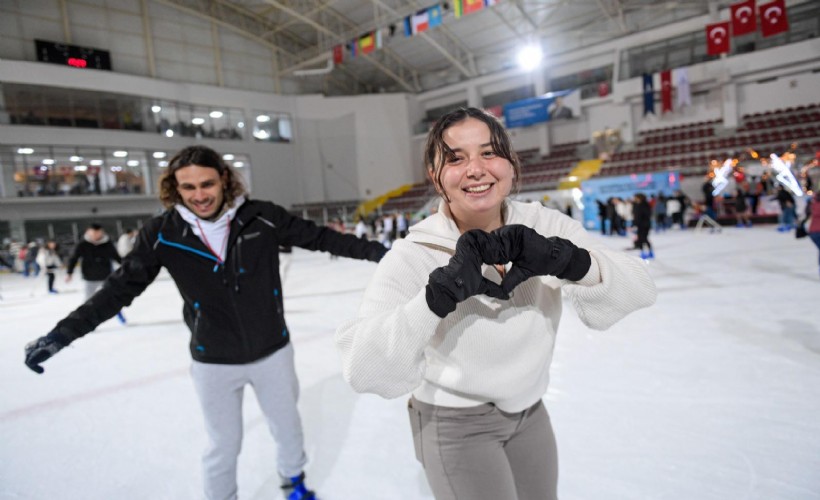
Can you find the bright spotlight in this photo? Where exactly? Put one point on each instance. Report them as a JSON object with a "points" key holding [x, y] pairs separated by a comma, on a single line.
{"points": [[529, 56]]}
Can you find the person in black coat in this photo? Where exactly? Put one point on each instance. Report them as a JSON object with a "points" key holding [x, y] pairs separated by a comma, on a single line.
{"points": [[96, 255], [642, 220], [222, 251]]}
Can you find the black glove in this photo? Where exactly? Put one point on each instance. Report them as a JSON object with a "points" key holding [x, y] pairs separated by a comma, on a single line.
{"points": [[375, 251], [461, 277], [42, 349], [534, 255]]}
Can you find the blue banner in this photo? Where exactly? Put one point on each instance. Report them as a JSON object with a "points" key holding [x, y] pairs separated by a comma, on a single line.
{"points": [[538, 109], [623, 186], [526, 112]]}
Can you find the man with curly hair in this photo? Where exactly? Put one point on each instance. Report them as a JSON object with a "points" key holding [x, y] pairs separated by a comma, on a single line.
{"points": [[222, 251]]}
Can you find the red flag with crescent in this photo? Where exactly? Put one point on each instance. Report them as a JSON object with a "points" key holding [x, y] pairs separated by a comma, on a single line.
{"points": [[744, 20], [773, 18], [717, 38]]}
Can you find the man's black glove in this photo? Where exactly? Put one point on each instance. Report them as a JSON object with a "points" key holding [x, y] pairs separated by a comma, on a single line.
{"points": [[534, 255], [42, 349], [375, 251], [461, 277]]}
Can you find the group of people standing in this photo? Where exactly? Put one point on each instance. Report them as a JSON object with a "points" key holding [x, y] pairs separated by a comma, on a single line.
{"points": [[461, 314]]}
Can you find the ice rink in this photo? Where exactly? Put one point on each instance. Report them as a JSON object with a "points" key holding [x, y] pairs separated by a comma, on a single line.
{"points": [[713, 393]]}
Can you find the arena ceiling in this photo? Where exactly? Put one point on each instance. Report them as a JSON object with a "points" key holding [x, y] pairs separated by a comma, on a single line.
{"points": [[304, 32]]}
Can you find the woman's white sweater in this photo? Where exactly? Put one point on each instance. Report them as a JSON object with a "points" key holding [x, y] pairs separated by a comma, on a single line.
{"points": [[487, 350]]}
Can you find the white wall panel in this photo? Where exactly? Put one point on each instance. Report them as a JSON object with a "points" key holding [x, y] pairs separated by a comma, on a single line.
{"points": [[120, 22], [200, 35], [165, 30], [132, 65], [38, 28], [196, 55], [86, 16], [124, 45], [132, 6]]}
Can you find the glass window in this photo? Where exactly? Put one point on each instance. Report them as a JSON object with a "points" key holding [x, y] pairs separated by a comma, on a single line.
{"points": [[109, 109], [130, 114], [271, 127], [237, 124], [86, 113], [508, 96]]}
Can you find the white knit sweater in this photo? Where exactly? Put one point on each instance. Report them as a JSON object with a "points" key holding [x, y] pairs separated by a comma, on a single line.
{"points": [[487, 350]]}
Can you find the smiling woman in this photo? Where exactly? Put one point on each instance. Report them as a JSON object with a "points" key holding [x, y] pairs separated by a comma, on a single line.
{"points": [[440, 320]]}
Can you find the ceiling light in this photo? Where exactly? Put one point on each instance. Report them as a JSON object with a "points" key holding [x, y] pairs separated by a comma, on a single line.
{"points": [[96, 163], [24, 151], [159, 154], [529, 56], [48, 161], [156, 109], [76, 158], [216, 114], [238, 164], [227, 157], [120, 154], [169, 133], [198, 121], [133, 163], [163, 163], [263, 118]]}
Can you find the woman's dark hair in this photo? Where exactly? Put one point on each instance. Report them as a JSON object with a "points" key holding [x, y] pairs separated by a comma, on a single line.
{"points": [[203, 157], [436, 152]]}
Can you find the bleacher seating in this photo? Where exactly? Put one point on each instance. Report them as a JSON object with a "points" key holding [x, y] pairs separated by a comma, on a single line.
{"points": [[546, 172], [690, 148]]}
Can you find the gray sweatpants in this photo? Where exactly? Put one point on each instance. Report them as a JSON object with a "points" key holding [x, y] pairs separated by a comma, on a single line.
{"points": [[91, 288], [483, 453], [220, 389]]}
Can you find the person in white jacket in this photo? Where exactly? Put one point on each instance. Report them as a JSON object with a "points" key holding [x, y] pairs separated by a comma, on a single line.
{"points": [[463, 314], [50, 260]]}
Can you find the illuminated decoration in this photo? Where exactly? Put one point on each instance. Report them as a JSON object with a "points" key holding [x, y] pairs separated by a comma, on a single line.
{"points": [[721, 179], [785, 175]]}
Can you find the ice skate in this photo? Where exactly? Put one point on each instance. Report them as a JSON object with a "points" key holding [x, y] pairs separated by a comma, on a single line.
{"points": [[294, 488]]}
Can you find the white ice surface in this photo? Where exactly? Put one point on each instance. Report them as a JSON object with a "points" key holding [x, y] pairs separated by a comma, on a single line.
{"points": [[713, 393]]}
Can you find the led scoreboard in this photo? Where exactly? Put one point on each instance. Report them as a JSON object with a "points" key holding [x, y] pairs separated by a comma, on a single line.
{"points": [[72, 55]]}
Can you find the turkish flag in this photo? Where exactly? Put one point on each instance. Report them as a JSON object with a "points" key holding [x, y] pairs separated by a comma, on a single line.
{"points": [[717, 38], [773, 18], [744, 20], [666, 91], [338, 54]]}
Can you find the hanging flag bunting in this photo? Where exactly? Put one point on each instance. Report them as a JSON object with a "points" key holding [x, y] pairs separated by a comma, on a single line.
{"points": [[684, 91], [717, 38], [773, 18], [379, 41], [419, 22], [666, 91], [744, 20], [338, 54], [352, 46], [434, 13], [367, 43], [648, 94], [490, 3], [464, 7]]}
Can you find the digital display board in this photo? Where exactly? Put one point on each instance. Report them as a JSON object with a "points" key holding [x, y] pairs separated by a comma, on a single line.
{"points": [[72, 55]]}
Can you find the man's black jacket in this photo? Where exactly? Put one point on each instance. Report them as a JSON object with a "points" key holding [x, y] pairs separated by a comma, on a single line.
{"points": [[234, 309]]}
